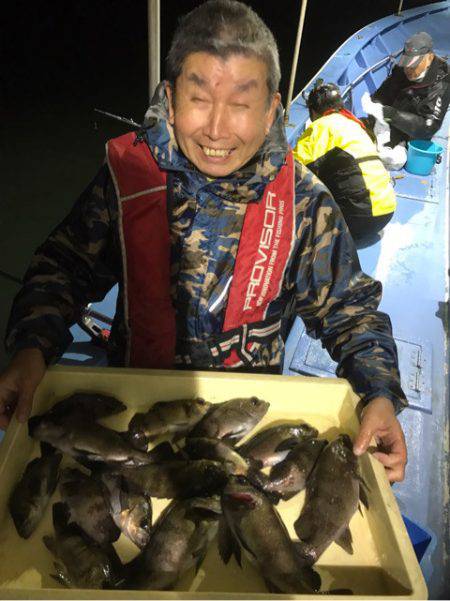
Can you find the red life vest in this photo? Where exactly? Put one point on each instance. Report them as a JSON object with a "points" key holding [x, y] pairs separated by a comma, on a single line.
{"points": [[265, 245]]}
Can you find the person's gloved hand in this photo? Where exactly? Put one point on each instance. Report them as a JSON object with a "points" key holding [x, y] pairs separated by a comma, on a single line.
{"points": [[372, 108]]}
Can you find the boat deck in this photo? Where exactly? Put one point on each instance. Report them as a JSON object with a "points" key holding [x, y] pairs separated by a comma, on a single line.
{"points": [[411, 259]]}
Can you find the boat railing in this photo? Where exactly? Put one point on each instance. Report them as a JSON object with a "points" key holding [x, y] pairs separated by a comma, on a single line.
{"points": [[390, 58]]}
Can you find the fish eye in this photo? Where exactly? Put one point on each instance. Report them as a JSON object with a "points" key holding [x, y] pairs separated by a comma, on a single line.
{"points": [[254, 400]]}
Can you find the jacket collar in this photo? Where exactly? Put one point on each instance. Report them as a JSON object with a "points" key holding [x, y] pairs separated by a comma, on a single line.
{"points": [[244, 185]]}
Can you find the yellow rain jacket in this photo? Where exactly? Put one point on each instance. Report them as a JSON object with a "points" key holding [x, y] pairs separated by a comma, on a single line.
{"points": [[339, 151]]}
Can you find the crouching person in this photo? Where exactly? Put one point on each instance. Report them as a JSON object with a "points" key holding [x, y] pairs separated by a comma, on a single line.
{"points": [[338, 149]]}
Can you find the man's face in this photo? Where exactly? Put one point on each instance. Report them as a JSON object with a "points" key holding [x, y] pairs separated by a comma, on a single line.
{"points": [[413, 73], [220, 112]]}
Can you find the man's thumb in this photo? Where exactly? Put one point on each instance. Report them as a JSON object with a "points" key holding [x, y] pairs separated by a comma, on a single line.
{"points": [[363, 439]]}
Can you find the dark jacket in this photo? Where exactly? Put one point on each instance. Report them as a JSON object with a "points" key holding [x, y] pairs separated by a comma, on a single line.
{"points": [[415, 109]]}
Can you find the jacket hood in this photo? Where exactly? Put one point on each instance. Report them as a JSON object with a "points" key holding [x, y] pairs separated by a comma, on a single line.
{"points": [[244, 185]]}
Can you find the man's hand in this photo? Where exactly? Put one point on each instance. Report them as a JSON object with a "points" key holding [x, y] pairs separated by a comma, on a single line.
{"points": [[379, 421], [18, 384], [372, 108]]}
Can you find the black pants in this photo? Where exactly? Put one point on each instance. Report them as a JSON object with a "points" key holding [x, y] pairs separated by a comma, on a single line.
{"points": [[362, 227]]}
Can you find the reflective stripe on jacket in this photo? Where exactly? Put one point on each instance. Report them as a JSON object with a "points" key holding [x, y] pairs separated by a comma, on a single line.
{"points": [[341, 154]]}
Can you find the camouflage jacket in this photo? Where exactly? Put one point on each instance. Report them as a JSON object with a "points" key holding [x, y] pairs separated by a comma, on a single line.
{"points": [[81, 260]]}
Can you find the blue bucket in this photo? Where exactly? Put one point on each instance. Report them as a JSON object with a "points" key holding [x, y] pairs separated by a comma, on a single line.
{"points": [[422, 155]]}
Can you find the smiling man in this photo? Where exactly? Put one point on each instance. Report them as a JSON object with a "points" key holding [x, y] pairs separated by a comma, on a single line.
{"points": [[216, 237]]}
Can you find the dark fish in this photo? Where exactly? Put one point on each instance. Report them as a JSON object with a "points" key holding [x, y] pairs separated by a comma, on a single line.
{"points": [[270, 446], [217, 450], [32, 493], [86, 440], [178, 479], [253, 524], [131, 511], [289, 477], [81, 563], [168, 418], [179, 541], [332, 495], [231, 420], [92, 405], [87, 500], [234, 463]]}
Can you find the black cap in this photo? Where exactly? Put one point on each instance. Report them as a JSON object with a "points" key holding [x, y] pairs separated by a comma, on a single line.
{"points": [[415, 49]]}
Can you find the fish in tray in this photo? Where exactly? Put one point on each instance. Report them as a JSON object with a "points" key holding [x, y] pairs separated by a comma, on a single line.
{"points": [[174, 418], [271, 445], [289, 477], [333, 492], [217, 450], [80, 562], [130, 510], [87, 500], [231, 420], [234, 463], [177, 479], [252, 524], [32, 493], [179, 541], [92, 405], [85, 440]]}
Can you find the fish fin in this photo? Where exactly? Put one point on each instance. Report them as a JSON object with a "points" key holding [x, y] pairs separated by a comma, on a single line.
{"points": [[228, 545], [163, 452], [47, 448], [61, 575], [306, 552], [304, 526], [345, 541], [260, 480], [200, 558], [237, 552], [363, 488], [225, 541], [61, 516], [49, 542], [312, 578], [287, 445], [271, 587]]}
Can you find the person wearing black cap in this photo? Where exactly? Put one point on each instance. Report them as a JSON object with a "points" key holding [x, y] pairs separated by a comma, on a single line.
{"points": [[413, 100]]}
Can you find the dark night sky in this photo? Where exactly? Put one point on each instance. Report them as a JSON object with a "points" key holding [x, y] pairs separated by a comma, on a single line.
{"points": [[94, 52]]}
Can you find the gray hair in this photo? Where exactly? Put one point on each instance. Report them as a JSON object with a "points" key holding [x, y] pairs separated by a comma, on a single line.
{"points": [[224, 28]]}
